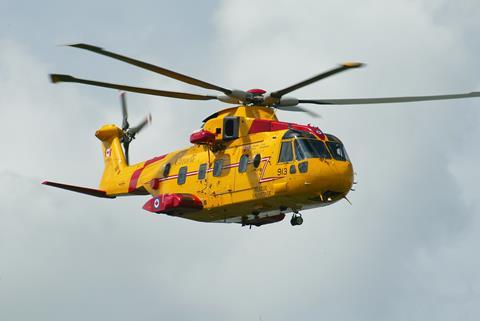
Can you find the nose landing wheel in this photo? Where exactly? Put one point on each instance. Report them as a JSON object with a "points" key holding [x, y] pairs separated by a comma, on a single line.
{"points": [[296, 219]]}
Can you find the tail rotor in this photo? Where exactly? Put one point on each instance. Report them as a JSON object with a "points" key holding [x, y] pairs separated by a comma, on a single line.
{"points": [[129, 133]]}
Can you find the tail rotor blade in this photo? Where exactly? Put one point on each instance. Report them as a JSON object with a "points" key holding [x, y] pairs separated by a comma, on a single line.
{"points": [[135, 130], [125, 124], [126, 144]]}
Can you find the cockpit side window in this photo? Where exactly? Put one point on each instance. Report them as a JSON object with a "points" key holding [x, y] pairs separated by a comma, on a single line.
{"points": [[299, 154], [337, 150], [286, 152]]}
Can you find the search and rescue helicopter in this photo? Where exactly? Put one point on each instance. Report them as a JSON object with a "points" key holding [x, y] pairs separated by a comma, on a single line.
{"points": [[244, 166]]}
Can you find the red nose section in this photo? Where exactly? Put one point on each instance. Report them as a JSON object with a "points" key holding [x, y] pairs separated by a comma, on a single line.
{"points": [[173, 204]]}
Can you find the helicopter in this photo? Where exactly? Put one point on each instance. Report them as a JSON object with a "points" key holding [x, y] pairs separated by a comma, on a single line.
{"points": [[244, 165]]}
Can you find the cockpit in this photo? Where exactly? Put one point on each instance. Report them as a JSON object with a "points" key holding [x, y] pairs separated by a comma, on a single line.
{"points": [[306, 145]]}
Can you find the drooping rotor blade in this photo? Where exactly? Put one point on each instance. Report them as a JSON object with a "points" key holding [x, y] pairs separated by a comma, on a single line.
{"points": [[299, 109], [342, 67], [134, 130], [157, 69], [125, 123], [384, 100], [55, 78]]}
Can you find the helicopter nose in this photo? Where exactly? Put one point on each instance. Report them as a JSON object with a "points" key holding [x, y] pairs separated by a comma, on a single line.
{"points": [[331, 177], [344, 172]]}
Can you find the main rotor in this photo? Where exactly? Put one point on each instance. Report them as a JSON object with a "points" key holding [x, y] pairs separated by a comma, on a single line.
{"points": [[258, 97]]}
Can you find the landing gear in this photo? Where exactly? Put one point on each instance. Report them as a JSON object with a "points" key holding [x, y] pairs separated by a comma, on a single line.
{"points": [[296, 219]]}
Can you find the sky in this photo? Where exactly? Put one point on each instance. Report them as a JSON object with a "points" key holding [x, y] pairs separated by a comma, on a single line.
{"points": [[405, 250]]}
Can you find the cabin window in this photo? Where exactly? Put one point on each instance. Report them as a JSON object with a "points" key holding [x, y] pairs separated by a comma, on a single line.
{"points": [[303, 167], [242, 166], [202, 171], [293, 169], [182, 175], [230, 127], [256, 160], [217, 167], [286, 153], [166, 170]]}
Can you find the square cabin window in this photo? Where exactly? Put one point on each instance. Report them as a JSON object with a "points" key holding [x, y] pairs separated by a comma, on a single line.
{"points": [[182, 175], [242, 166], [202, 171], [217, 167]]}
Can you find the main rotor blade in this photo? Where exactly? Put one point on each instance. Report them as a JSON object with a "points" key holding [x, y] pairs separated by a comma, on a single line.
{"points": [[386, 100], [300, 109], [55, 78], [157, 69], [342, 67]]}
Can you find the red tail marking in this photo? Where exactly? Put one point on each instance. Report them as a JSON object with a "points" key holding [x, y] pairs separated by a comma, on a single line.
{"points": [[136, 175]]}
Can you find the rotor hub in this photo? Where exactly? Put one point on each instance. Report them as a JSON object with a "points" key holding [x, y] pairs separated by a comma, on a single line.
{"points": [[256, 91]]}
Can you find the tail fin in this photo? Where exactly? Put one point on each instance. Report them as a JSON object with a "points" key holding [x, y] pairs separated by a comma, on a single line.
{"points": [[113, 155]]}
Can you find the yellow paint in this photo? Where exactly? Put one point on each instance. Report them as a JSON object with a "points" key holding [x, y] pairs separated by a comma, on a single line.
{"points": [[231, 195]]}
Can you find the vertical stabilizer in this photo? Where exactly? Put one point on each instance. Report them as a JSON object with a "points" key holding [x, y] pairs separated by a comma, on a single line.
{"points": [[113, 156]]}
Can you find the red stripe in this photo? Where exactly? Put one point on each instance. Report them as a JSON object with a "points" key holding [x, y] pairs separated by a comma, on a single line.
{"points": [[136, 175]]}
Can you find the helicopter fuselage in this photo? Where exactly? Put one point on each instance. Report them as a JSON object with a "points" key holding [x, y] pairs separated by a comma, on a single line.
{"points": [[248, 168]]}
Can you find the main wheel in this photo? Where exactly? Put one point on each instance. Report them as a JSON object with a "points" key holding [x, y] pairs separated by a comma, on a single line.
{"points": [[293, 221], [298, 220]]}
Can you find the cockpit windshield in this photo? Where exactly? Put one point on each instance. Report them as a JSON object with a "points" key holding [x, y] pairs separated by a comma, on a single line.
{"points": [[292, 133], [310, 148], [307, 146]]}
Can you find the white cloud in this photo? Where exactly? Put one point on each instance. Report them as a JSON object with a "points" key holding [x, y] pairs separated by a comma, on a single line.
{"points": [[404, 250]]}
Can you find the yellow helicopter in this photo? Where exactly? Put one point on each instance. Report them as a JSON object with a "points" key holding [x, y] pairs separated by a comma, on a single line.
{"points": [[244, 166]]}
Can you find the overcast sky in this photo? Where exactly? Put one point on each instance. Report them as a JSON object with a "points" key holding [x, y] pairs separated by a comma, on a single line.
{"points": [[406, 250]]}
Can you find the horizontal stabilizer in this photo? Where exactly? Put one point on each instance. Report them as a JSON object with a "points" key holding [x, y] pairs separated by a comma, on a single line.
{"points": [[78, 189]]}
